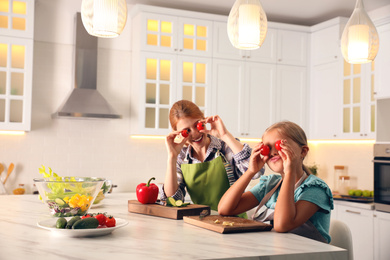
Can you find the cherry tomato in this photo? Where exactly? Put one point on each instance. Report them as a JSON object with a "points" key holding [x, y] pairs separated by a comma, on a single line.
{"points": [[184, 133], [101, 218], [87, 216], [110, 221], [277, 145], [200, 126], [264, 150]]}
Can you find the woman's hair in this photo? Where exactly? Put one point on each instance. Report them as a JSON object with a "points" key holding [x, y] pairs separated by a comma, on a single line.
{"points": [[181, 109], [293, 132]]}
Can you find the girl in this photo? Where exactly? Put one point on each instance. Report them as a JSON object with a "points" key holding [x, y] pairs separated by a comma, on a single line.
{"points": [[211, 162], [296, 201]]}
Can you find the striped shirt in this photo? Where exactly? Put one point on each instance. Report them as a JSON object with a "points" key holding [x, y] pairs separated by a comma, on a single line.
{"points": [[238, 161]]}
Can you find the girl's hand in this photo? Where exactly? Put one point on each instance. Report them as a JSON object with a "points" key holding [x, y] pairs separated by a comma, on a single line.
{"points": [[256, 162], [174, 148], [291, 156], [217, 129]]}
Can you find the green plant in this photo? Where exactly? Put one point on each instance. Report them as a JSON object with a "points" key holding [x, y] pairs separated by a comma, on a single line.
{"points": [[314, 169]]}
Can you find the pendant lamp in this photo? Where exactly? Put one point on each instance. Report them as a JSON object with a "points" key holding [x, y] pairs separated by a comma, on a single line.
{"points": [[104, 18], [360, 40], [247, 24]]}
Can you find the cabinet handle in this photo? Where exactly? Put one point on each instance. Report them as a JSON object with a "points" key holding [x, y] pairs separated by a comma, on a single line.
{"points": [[243, 57], [351, 211], [180, 49], [175, 49], [279, 59], [248, 57], [375, 93], [335, 57]]}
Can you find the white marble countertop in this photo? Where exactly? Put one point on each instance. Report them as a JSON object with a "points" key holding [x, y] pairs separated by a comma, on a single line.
{"points": [[370, 206], [145, 237]]}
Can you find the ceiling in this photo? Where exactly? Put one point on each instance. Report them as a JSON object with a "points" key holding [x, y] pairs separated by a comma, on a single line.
{"points": [[302, 12]]}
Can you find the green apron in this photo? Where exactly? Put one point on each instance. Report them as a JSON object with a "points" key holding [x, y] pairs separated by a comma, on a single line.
{"points": [[206, 182]]}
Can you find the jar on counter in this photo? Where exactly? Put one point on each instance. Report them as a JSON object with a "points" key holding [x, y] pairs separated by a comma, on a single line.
{"points": [[20, 190], [344, 185], [339, 170]]}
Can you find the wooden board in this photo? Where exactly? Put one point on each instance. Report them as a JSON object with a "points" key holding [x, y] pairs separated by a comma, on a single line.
{"points": [[239, 224], [157, 210]]}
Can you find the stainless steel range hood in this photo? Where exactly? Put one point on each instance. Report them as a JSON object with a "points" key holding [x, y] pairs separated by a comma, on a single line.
{"points": [[84, 101]]}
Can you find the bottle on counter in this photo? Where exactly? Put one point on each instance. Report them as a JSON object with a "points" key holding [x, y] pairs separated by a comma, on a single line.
{"points": [[344, 184], [339, 170], [34, 189], [20, 190]]}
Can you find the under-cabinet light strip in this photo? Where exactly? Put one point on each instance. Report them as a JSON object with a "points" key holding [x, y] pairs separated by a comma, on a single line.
{"points": [[12, 132]]}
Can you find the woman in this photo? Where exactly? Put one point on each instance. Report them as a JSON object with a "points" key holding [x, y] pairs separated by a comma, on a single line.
{"points": [[211, 161], [296, 201]]}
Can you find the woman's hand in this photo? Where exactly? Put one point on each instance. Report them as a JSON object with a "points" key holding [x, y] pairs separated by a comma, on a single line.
{"points": [[291, 156], [173, 147], [217, 129], [256, 162]]}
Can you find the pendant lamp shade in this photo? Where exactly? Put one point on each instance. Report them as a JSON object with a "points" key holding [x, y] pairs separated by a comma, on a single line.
{"points": [[247, 24], [360, 40], [104, 18]]}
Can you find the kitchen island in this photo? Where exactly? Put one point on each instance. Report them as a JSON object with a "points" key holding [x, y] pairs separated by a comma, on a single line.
{"points": [[144, 237]]}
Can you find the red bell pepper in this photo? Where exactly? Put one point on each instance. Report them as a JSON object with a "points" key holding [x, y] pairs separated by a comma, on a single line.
{"points": [[147, 192]]}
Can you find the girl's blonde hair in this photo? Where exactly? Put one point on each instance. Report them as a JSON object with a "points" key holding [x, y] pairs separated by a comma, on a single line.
{"points": [[292, 131], [181, 109]]}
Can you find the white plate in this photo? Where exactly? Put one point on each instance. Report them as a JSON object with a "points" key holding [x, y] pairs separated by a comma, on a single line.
{"points": [[50, 224]]}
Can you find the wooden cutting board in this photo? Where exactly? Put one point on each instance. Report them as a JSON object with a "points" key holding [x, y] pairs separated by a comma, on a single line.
{"points": [[231, 225], [157, 210]]}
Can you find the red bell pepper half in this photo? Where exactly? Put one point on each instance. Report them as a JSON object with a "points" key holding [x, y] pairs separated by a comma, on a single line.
{"points": [[147, 192]]}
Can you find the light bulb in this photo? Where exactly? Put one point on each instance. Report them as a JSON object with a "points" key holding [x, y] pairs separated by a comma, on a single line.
{"points": [[104, 18], [360, 40], [247, 24]]}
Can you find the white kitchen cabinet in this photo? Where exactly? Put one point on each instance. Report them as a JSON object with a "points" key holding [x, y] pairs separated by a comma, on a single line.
{"points": [[16, 61], [382, 60], [172, 34], [291, 95], [281, 46], [381, 235], [325, 101], [244, 96], [17, 18], [325, 41], [171, 60], [222, 48], [342, 103], [361, 223]]}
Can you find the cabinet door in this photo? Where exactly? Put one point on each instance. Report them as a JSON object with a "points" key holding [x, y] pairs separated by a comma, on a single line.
{"points": [[156, 32], [194, 81], [326, 101], [292, 47], [291, 95], [16, 56], [228, 88], [259, 98], [195, 37], [382, 61], [156, 93], [326, 45], [268, 50], [17, 18], [358, 101], [360, 221], [382, 235]]}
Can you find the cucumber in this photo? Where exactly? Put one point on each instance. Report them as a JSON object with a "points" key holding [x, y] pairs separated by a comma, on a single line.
{"points": [[72, 221], [61, 223], [171, 201], [179, 203], [60, 202], [86, 223]]}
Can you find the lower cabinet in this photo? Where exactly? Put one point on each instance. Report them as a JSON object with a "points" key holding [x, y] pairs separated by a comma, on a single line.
{"points": [[381, 235], [361, 223]]}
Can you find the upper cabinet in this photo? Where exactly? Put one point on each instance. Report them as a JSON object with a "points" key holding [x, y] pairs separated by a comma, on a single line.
{"points": [[16, 57], [17, 18], [281, 46], [172, 34], [342, 103], [171, 60], [382, 60]]}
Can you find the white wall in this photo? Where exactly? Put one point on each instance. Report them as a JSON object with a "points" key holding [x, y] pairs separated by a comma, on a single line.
{"points": [[103, 147]]}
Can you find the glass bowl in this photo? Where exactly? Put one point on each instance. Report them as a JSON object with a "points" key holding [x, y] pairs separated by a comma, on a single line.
{"points": [[69, 196], [106, 187]]}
